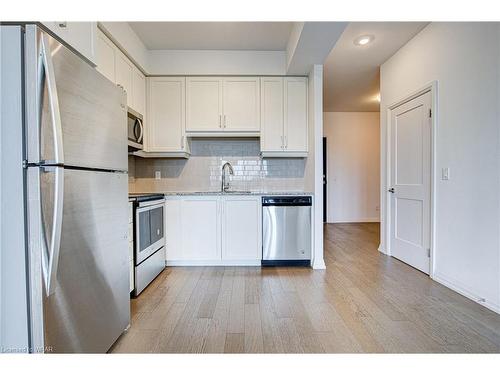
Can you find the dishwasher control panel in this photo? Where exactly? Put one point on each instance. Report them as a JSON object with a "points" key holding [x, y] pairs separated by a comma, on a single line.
{"points": [[287, 201]]}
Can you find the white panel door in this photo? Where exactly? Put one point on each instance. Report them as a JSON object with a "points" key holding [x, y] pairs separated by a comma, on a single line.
{"points": [[241, 104], [296, 128], [203, 104], [271, 132], [173, 232], [241, 237], [166, 114], [105, 56], [139, 91], [410, 182], [123, 75], [201, 229]]}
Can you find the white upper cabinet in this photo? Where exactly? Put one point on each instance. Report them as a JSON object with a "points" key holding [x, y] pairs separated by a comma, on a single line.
{"points": [[115, 66], [82, 36], [284, 127], [204, 104], [105, 56], [123, 74], [296, 129], [272, 131], [241, 229], [241, 104], [166, 118], [223, 106], [138, 91]]}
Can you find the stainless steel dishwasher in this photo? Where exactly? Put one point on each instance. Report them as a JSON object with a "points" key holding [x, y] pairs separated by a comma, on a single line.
{"points": [[286, 230]]}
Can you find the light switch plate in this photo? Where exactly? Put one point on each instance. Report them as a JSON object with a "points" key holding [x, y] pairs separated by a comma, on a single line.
{"points": [[445, 174], [158, 175]]}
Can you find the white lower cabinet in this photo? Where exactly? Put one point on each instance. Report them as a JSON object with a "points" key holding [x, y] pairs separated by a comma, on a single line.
{"points": [[200, 230], [241, 228], [215, 230]]}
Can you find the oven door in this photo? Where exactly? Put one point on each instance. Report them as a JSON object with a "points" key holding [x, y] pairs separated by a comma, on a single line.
{"points": [[148, 229]]}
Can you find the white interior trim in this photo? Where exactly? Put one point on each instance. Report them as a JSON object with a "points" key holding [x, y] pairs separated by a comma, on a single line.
{"points": [[456, 286], [385, 216]]}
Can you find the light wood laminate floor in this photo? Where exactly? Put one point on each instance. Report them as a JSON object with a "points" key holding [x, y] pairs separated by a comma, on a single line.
{"points": [[363, 302]]}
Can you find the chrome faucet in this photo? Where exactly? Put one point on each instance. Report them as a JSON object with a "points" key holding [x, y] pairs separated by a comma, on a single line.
{"points": [[225, 185]]}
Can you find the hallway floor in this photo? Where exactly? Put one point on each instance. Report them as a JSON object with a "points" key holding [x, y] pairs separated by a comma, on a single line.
{"points": [[363, 302]]}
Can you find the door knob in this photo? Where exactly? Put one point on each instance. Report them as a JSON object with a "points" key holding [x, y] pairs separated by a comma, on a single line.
{"points": [[391, 190]]}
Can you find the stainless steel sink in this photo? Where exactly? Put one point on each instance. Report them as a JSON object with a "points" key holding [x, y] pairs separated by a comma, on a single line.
{"points": [[234, 192]]}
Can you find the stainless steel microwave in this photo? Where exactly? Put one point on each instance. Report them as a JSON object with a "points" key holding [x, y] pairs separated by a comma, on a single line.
{"points": [[135, 130]]}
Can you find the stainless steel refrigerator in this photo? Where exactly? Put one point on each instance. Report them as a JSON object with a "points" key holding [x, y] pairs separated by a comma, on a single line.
{"points": [[75, 186]]}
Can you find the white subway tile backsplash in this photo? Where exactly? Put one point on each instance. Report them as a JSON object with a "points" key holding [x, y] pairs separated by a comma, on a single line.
{"points": [[202, 171]]}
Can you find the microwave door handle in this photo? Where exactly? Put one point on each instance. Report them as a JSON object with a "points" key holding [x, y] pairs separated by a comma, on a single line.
{"points": [[139, 140], [50, 255], [48, 74], [135, 130]]}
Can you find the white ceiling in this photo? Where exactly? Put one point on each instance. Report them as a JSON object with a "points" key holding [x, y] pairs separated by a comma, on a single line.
{"points": [[258, 36], [351, 73]]}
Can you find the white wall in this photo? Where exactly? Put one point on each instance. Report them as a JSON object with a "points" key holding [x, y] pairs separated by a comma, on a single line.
{"points": [[211, 62], [314, 168], [353, 166], [464, 60]]}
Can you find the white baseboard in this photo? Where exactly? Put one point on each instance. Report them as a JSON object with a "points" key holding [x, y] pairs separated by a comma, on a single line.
{"points": [[356, 220], [319, 264], [216, 262], [382, 249], [464, 291]]}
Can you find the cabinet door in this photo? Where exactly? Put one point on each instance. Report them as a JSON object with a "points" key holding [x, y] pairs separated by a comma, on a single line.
{"points": [[241, 228], [123, 74], [173, 233], [296, 128], [139, 91], [105, 56], [82, 36], [204, 104], [201, 229], [241, 105], [271, 132], [166, 114]]}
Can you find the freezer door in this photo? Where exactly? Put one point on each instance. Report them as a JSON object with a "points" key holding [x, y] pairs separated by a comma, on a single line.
{"points": [[88, 306], [81, 117]]}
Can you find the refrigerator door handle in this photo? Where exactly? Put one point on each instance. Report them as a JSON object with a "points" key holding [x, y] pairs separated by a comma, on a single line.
{"points": [[50, 257], [46, 72]]}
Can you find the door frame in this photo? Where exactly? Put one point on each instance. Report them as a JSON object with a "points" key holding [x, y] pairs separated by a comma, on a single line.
{"points": [[432, 88], [325, 179]]}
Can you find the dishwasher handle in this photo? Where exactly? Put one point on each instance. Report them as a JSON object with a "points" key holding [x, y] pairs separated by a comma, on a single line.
{"points": [[287, 201]]}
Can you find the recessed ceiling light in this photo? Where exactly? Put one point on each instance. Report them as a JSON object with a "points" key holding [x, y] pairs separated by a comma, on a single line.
{"points": [[363, 40]]}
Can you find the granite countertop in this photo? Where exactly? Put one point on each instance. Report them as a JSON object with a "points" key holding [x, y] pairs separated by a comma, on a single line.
{"points": [[180, 193]]}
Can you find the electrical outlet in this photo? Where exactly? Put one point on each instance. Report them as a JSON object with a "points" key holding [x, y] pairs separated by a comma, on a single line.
{"points": [[158, 175], [377, 208], [445, 174]]}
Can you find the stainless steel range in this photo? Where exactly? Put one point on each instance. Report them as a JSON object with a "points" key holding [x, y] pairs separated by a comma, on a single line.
{"points": [[149, 239]]}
